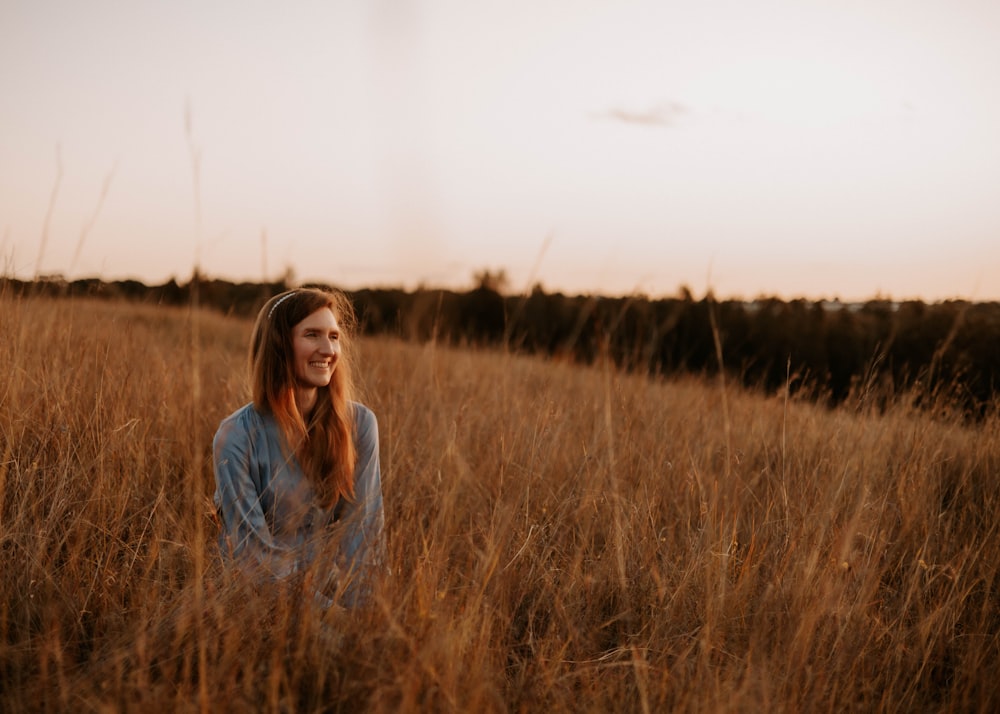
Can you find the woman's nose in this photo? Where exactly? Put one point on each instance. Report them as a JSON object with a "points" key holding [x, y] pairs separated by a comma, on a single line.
{"points": [[329, 347]]}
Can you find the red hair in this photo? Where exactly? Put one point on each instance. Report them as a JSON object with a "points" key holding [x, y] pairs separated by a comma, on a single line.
{"points": [[324, 446]]}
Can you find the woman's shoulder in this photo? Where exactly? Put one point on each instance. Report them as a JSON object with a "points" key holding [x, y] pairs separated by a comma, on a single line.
{"points": [[361, 412], [245, 415], [364, 418], [240, 424]]}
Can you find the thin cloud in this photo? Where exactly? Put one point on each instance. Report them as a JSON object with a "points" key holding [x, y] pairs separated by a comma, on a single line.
{"points": [[665, 114]]}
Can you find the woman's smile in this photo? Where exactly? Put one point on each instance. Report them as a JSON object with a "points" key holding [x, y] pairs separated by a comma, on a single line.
{"points": [[325, 366]]}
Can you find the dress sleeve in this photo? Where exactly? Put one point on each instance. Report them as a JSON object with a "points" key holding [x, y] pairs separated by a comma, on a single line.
{"points": [[363, 544], [246, 536]]}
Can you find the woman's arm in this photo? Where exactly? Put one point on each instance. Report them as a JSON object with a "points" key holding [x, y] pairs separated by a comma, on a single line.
{"points": [[362, 546], [245, 535]]}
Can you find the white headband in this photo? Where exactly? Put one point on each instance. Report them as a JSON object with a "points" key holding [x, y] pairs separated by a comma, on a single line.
{"points": [[275, 305]]}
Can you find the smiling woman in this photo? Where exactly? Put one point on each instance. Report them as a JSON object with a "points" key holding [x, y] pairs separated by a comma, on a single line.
{"points": [[316, 346], [297, 473]]}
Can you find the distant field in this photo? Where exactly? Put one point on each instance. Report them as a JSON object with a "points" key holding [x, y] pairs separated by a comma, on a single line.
{"points": [[561, 538]]}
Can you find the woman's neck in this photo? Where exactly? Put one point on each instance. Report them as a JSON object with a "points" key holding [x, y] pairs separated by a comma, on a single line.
{"points": [[305, 400]]}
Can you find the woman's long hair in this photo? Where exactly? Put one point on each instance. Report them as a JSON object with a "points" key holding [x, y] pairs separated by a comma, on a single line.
{"points": [[324, 447]]}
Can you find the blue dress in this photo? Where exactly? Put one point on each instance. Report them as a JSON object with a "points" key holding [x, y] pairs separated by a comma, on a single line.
{"points": [[272, 524]]}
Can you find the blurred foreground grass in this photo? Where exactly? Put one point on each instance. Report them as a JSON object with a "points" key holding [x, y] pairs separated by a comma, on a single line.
{"points": [[561, 538]]}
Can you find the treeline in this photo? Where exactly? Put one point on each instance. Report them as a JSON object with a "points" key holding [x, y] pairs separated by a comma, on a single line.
{"points": [[830, 350]]}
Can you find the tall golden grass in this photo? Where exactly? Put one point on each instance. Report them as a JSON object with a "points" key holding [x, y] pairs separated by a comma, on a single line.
{"points": [[560, 538]]}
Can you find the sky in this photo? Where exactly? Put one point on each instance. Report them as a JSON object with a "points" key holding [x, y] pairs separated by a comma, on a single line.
{"points": [[794, 148]]}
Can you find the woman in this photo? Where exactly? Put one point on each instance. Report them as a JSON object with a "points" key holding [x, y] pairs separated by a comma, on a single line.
{"points": [[297, 476]]}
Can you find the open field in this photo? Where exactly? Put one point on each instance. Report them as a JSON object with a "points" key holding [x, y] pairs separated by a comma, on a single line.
{"points": [[561, 538]]}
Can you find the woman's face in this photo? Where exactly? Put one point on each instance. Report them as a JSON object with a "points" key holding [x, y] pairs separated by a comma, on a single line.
{"points": [[316, 348]]}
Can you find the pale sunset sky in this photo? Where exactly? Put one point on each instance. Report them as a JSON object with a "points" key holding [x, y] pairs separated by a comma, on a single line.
{"points": [[797, 148]]}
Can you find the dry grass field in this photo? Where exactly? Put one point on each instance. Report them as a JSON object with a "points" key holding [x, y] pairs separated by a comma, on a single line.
{"points": [[561, 538]]}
